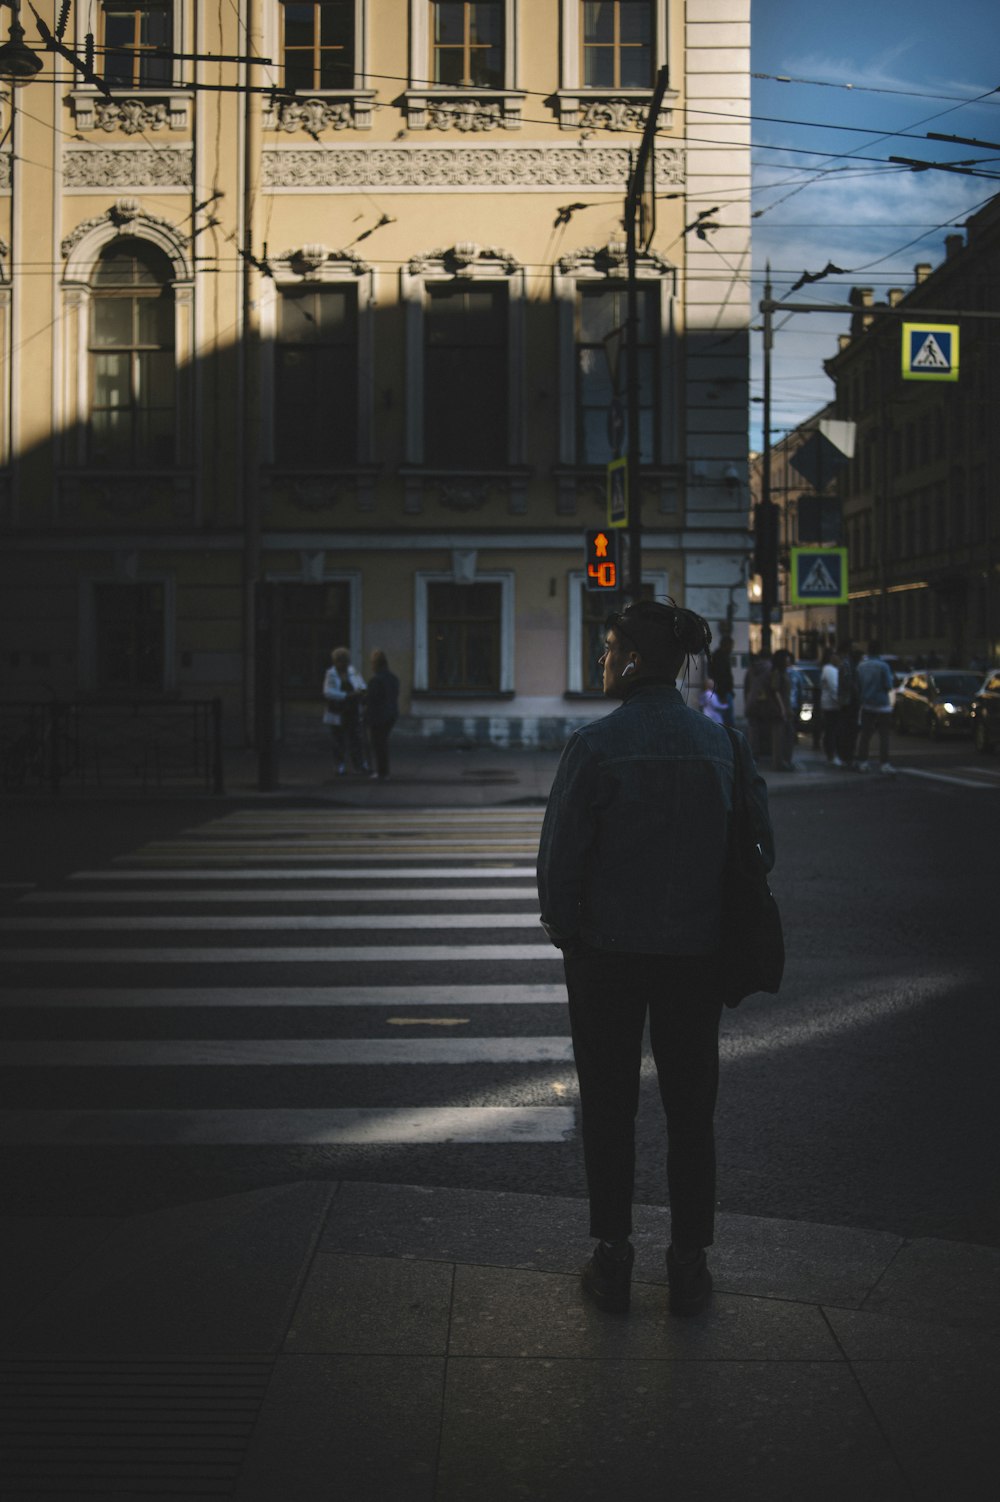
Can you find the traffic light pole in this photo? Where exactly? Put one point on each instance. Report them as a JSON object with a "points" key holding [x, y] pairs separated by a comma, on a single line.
{"points": [[767, 531], [633, 468]]}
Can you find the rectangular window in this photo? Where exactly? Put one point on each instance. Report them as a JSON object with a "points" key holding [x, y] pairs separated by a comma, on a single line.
{"points": [[138, 44], [594, 611], [467, 43], [465, 376], [316, 378], [317, 44], [600, 343], [463, 631], [617, 37], [315, 618], [132, 409], [130, 632]]}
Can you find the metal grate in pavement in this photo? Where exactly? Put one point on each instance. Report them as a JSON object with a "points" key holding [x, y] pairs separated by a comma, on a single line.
{"points": [[165, 1428]]}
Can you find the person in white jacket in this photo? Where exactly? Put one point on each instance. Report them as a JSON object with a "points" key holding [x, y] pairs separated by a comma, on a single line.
{"points": [[343, 688], [829, 704]]}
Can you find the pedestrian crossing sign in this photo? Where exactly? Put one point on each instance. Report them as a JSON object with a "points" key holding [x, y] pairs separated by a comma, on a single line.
{"points": [[930, 352], [818, 576]]}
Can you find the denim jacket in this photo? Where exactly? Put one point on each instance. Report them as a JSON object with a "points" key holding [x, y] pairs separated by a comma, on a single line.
{"points": [[635, 832]]}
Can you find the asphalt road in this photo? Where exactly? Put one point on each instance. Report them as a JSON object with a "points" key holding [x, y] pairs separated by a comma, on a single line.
{"points": [[863, 1095]]}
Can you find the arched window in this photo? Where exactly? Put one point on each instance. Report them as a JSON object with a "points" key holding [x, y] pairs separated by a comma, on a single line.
{"points": [[132, 420]]}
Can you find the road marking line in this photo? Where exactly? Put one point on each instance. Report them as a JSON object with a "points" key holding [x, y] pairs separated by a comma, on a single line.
{"points": [[289, 1128], [221, 1053], [312, 874], [223, 923], [960, 782], [436, 954], [168, 897], [286, 996]]}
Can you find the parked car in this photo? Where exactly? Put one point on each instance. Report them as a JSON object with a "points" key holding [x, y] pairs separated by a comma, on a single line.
{"points": [[985, 714], [933, 701]]}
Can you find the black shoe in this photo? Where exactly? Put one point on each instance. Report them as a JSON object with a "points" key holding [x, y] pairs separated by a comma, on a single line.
{"points": [[607, 1279], [690, 1284]]}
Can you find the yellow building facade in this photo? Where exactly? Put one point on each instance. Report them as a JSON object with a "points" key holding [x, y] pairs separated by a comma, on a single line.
{"points": [[330, 296]]}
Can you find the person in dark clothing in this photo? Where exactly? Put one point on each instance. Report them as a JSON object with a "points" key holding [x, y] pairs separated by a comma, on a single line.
{"points": [[630, 872], [381, 711]]}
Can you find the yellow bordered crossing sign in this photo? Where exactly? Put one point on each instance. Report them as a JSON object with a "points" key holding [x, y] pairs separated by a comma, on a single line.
{"points": [[617, 472], [818, 576], [930, 351]]}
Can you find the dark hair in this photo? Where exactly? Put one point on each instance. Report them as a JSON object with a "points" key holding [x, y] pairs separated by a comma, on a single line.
{"points": [[874, 648], [379, 660], [663, 634]]}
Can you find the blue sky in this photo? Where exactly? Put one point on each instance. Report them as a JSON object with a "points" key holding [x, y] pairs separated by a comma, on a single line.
{"points": [[825, 192]]}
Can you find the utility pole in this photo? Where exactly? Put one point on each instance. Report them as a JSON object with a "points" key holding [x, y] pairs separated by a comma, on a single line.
{"points": [[633, 199], [766, 522]]}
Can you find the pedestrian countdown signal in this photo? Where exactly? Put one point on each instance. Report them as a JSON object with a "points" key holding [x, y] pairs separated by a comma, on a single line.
{"points": [[601, 560]]}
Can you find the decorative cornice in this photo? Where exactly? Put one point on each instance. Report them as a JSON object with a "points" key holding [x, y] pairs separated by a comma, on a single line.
{"points": [[463, 259], [344, 109], [610, 259], [488, 167], [616, 109], [455, 109], [128, 217], [128, 167], [307, 260]]}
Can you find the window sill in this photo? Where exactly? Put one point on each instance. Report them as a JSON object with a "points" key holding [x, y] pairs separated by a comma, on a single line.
{"points": [[592, 694], [610, 109], [316, 110], [463, 108], [132, 111]]}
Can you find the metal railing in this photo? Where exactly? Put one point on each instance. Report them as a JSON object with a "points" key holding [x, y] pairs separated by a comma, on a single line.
{"points": [[86, 745]]}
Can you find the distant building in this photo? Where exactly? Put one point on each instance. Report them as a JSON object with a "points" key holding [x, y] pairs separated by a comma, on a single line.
{"points": [[347, 321], [921, 499], [806, 516]]}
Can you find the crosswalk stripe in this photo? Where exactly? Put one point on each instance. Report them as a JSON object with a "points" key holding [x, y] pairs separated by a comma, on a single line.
{"points": [[306, 868], [312, 875], [283, 1127], [185, 922], [167, 898], [394, 997], [437, 954], [326, 1052]]}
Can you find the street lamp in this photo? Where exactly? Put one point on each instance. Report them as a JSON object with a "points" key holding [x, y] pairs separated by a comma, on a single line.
{"points": [[18, 64]]}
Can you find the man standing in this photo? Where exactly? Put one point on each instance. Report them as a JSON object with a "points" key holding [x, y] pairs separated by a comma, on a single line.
{"points": [[630, 870], [874, 678]]}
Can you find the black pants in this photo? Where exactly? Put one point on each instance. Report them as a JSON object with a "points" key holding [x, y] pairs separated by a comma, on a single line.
{"points": [[609, 996], [380, 747]]}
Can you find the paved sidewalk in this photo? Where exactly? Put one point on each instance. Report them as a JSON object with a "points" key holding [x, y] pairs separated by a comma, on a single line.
{"points": [[381, 1343], [429, 775]]}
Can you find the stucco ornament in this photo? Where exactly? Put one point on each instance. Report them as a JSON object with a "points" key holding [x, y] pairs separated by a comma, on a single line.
{"points": [[132, 167], [124, 214], [462, 259], [314, 115], [464, 114], [461, 166], [132, 116], [307, 260]]}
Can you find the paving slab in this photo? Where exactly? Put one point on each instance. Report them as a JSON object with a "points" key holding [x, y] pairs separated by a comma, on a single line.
{"points": [[219, 1276], [935, 1390], [793, 1259], [363, 1428], [40, 1251], [766, 1258], [585, 1430], [372, 1306], [504, 1312], [948, 1281]]}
